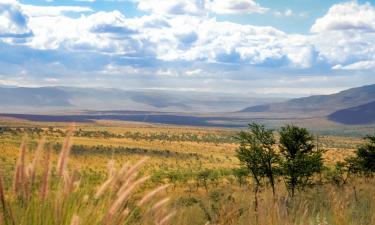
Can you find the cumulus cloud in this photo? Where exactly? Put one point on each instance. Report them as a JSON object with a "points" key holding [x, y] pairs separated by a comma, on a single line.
{"points": [[167, 7], [13, 22], [347, 16], [175, 36], [179, 38], [34, 11], [362, 65], [346, 34], [234, 7], [200, 7]]}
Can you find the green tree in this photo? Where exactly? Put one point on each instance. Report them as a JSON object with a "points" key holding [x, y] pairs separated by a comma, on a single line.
{"points": [[301, 160], [257, 154], [366, 155]]}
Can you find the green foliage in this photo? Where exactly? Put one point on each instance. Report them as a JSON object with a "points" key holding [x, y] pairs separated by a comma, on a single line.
{"points": [[366, 155], [364, 160], [301, 160], [241, 174], [256, 152]]}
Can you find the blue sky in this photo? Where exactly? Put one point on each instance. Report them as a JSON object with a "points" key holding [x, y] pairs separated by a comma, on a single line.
{"points": [[243, 47]]}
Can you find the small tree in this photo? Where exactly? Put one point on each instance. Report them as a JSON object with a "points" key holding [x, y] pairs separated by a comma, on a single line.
{"points": [[366, 155], [256, 152], [301, 160]]}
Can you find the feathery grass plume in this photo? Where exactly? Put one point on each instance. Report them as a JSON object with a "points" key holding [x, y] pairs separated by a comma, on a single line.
{"points": [[20, 173], [2, 195], [122, 198], [151, 194], [58, 202], [118, 176], [65, 151], [46, 174], [134, 169], [125, 184], [124, 216], [37, 156], [75, 220], [122, 171], [67, 180], [111, 168], [6, 210], [104, 187], [166, 218], [160, 203], [129, 176], [64, 155], [113, 177], [71, 182]]}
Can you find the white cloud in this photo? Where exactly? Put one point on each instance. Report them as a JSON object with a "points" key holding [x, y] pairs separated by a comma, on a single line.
{"points": [[288, 12], [34, 11], [347, 16], [194, 73], [234, 6], [178, 7], [362, 65], [113, 69], [346, 35], [160, 43], [200, 7], [13, 22], [184, 37]]}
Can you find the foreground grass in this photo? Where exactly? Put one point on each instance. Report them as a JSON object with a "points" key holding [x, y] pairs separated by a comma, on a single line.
{"points": [[56, 195]]}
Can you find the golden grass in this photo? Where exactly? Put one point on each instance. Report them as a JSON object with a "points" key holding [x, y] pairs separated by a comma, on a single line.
{"points": [[64, 198], [67, 188]]}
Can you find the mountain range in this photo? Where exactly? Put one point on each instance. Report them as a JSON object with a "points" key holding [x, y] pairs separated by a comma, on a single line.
{"points": [[351, 106], [48, 99]]}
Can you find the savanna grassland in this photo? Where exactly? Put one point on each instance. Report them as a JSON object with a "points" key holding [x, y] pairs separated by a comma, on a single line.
{"points": [[136, 173]]}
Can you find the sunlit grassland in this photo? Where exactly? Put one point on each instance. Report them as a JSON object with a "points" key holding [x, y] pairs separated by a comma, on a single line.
{"points": [[203, 187]]}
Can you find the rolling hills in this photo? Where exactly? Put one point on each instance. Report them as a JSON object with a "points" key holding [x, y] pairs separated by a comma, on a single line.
{"points": [[47, 99]]}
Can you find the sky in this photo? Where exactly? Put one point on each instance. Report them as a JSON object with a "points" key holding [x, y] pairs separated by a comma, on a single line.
{"points": [[244, 47]]}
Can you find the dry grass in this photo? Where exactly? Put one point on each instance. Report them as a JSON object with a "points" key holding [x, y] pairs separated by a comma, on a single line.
{"points": [[56, 197], [49, 187]]}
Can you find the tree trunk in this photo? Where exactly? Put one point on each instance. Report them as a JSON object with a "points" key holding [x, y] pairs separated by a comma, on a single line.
{"points": [[256, 190]]}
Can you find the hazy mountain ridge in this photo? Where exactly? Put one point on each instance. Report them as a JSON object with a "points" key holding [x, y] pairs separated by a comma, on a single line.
{"points": [[324, 104], [35, 97], [22, 99]]}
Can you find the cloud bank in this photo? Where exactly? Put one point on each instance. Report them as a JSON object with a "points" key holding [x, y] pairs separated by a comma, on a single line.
{"points": [[180, 39]]}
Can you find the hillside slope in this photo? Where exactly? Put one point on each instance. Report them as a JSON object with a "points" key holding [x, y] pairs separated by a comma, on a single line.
{"points": [[363, 114], [324, 104]]}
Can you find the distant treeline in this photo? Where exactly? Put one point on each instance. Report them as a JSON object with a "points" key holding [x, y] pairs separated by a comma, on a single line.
{"points": [[159, 136]]}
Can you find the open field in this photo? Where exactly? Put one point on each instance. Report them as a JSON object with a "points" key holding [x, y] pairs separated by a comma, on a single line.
{"points": [[200, 164]]}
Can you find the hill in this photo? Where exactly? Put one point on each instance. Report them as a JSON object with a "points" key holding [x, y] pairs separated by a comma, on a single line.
{"points": [[363, 114], [321, 104]]}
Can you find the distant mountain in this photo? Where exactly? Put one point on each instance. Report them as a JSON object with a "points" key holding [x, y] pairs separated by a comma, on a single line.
{"points": [[21, 99], [363, 114], [321, 104], [33, 97]]}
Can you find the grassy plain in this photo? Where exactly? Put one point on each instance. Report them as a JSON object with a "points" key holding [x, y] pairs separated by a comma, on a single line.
{"points": [[200, 165]]}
